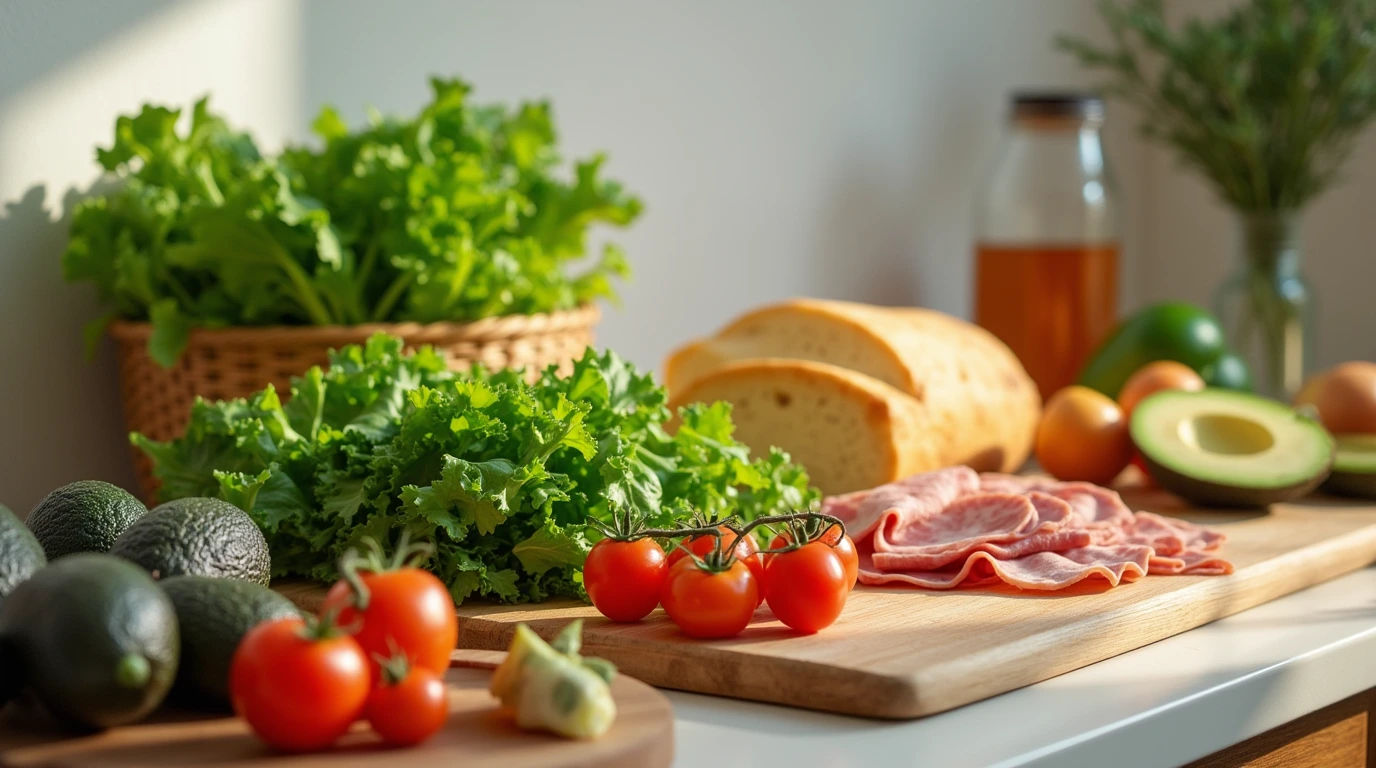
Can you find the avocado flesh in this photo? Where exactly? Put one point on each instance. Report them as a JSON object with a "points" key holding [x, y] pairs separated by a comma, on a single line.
{"points": [[1221, 448], [1354, 466]]}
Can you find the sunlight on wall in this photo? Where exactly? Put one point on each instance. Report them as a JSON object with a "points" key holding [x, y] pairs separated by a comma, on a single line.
{"points": [[246, 52], [59, 96]]}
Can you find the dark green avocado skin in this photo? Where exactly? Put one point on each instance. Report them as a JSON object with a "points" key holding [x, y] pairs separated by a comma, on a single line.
{"points": [[197, 537], [9, 671], [1209, 494], [214, 615], [1359, 484], [66, 629], [20, 553], [85, 516]]}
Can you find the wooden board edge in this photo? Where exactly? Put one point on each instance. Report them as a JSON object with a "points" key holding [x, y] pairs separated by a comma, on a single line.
{"points": [[787, 682], [990, 677], [815, 686]]}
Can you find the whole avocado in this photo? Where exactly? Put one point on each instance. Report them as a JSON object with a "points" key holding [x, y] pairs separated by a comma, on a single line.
{"points": [[94, 639], [214, 615], [1167, 331], [197, 537], [20, 553], [9, 674], [1229, 371], [85, 516]]}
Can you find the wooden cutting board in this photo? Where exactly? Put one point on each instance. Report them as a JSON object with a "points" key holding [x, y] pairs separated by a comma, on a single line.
{"points": [[904, 653], [476, 736]]}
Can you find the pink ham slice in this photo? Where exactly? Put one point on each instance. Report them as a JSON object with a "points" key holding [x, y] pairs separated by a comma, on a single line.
{"points": [[953, 527], [1039, 571], [919, 496], [1172, 531], [1002, 525], [1191, 561]]}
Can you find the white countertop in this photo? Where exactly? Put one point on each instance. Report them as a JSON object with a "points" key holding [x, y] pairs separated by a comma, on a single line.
{"points": [[1163, 705]]}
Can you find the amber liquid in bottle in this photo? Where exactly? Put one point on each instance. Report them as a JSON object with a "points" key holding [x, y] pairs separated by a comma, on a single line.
{"points": [[1052, 304]]}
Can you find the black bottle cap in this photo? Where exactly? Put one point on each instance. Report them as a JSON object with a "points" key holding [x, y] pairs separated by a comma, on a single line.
{"points": [[1081, 105]]}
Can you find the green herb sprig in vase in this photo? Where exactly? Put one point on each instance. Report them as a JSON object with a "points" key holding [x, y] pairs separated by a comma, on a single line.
{"points": [[1266, 101]]}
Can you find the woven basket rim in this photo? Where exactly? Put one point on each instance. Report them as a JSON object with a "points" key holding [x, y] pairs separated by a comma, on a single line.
{"points": [[498, 327]]}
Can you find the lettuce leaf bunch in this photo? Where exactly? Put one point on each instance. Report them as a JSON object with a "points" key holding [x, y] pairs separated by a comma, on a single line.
{"points": [[458, 213], [501, 474]]}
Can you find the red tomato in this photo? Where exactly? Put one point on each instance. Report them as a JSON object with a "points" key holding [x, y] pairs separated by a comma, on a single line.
{"points": [[409, 610], [706, 604], [409, 710], [624, 578], [298, 693], [841, 543], [747, 551], [806, 588]]}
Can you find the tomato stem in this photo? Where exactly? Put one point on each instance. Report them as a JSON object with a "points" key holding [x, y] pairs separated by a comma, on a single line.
{"points": [[805, 528], [323, 627], [408, 554], [810, 526], [394, 668], [349, 565]]}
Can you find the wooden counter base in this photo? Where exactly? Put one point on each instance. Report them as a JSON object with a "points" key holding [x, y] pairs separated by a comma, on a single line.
{"points": [[1337, 736]]}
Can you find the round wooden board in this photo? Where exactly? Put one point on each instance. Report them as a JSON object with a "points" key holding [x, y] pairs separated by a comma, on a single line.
{"points": [[477, 735]]}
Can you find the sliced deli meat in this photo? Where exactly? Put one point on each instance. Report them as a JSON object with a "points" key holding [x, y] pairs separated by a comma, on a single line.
{"points": [[1039, 571], [953, 527], [1004, 526]]}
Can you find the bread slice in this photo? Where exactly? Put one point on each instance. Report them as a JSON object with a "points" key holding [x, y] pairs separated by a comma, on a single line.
{"points": [[849, 430], [980, 405], [839, 333]]}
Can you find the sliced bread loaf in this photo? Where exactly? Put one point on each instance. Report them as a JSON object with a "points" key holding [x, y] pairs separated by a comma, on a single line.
{"points": [[980, 407], [851, 431]]}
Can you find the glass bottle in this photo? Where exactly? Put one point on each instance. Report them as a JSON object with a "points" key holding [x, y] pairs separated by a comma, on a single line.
{"points": [[1047, 247], [1266, 305]]}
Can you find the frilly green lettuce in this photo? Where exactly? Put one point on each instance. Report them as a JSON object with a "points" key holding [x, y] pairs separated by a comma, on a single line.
{"points": [[501, 474]]}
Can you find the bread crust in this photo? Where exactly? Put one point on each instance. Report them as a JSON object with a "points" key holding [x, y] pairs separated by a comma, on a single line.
{"points": [[981, 407], [893, 418]]}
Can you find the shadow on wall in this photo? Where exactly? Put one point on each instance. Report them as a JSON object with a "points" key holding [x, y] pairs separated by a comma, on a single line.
{"points": [[888, 236], [866, 252], [62, 420]]}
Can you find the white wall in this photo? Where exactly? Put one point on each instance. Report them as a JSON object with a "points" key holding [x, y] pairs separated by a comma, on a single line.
{"points": [[67, 68], [783, 147]]}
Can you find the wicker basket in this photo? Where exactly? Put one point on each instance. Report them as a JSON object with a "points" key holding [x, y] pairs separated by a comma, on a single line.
{"points": [[236, 362]]}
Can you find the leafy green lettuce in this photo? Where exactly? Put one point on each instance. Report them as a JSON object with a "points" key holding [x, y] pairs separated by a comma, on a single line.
{"points": [[501, 474], [459, 213]]}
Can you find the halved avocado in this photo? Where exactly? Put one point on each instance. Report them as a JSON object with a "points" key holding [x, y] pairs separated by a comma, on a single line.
{"points": [[1354, 466], [1223, 448]]}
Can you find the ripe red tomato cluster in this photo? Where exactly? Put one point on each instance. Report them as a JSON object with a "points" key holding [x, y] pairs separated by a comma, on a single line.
{"points": [[301, 684], [806, 587]]}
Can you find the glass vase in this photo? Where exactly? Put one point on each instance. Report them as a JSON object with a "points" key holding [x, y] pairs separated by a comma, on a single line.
{"points": [[1266, 306]]}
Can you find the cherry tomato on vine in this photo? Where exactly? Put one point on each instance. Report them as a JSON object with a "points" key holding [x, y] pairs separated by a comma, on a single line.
{"points": [[708, 604], [747, 551], [840, 542], [806, 588], [408, 705], [299, 686], [624, 578], [407, 610]]}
